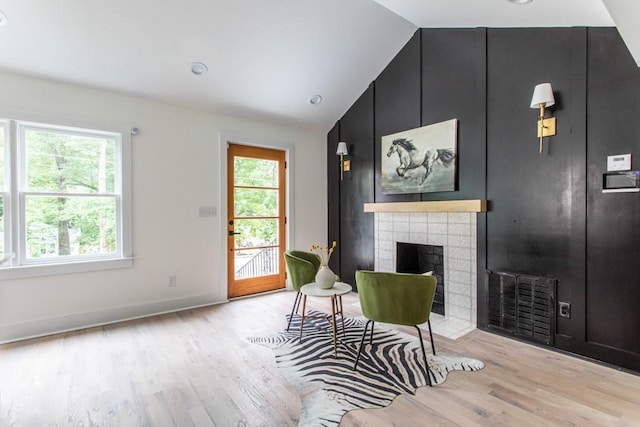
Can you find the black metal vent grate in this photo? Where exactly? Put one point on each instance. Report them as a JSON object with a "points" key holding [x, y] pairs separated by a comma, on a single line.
{"points": [[522, 305]]}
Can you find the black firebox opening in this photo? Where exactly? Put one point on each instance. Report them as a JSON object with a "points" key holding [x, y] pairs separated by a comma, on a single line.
{"points": [[417, 259]]}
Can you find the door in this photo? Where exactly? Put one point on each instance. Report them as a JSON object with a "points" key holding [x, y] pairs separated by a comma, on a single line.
{"points": [[255, 219]]}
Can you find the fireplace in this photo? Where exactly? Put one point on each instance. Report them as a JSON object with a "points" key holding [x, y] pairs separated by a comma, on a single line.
{"points": [[419, 259], [456, 233]]}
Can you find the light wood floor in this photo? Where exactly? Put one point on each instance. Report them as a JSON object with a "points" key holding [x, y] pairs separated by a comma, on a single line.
{"points": [[195, 368]]}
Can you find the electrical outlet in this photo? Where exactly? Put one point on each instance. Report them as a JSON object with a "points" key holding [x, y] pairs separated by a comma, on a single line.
{"points": [[564, 310], [172, 282]]}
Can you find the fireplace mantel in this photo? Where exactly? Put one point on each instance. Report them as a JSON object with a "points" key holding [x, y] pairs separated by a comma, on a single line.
{"points": [[477, 205]]}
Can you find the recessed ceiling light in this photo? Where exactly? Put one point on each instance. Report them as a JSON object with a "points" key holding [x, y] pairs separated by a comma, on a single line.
{"points": [[315, 100], [3, 18], [520, 1], [198, 68]]}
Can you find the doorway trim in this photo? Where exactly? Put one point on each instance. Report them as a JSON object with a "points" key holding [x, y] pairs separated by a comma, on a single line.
{"points": [[224, 139]]}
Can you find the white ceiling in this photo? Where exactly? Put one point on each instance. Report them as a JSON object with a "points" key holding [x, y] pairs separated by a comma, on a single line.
{"points": [[501, 13], [265, 58], [626, 15]]}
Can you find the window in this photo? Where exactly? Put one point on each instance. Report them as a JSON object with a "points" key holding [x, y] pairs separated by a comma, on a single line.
{"points": [[64, 196]]}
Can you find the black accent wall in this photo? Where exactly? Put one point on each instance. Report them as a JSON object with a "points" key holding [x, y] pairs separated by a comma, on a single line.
{"points": [[612, 297], [356, 189], [547, 213], [536, 225], [397, 106], [454, 87], [333, 202]]}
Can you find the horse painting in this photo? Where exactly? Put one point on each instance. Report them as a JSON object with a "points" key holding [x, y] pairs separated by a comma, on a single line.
{"points": [[412, 157]]}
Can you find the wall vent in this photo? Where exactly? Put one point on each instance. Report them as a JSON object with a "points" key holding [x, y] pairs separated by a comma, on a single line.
{"points": [[522, 305]]}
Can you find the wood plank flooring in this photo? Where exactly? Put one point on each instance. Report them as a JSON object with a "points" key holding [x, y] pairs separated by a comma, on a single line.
{"points": [[195, 368]]}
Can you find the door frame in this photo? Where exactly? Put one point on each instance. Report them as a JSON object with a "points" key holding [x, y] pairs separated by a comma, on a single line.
{"points": [[224, 139]]}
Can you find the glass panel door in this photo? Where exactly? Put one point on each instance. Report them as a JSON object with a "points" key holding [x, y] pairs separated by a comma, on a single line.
{"points": [[255, 219]]}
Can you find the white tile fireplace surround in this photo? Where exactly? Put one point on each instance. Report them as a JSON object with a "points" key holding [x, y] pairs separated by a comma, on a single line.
{"points": [[456, 233]]}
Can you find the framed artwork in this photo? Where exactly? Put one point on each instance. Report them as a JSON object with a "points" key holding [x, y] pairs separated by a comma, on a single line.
{"points": [[421, 160]]}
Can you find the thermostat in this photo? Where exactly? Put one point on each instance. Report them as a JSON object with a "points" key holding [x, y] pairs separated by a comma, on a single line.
{"points": [[619, 162]]}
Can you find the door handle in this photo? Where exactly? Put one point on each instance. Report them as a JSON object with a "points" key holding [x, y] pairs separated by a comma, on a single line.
{"points": [[232, 233]]}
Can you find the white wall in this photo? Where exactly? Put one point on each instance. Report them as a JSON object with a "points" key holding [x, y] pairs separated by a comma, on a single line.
{"points": [[176, 168]]}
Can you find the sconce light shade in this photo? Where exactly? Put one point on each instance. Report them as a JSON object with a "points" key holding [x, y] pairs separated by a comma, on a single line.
{"points": [[342, 149], [542, 94], [543, 97]]}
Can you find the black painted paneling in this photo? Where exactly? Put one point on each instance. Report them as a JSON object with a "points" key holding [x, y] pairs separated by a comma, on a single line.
{"points": [[397, 106], [333, 195], [534, 225], [547, 215], [356, 226], [613, 270], [454, 87], [481, 266], [454, 64], [570, 332]]}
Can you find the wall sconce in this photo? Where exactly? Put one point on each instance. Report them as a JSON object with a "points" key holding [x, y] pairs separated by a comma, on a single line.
{"points": [[543, 97], [345, 165]]}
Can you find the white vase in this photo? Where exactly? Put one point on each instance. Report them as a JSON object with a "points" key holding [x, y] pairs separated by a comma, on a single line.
{"points": [[325, 278]]}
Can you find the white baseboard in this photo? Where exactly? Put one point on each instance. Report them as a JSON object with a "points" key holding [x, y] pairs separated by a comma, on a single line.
{"points": [[42, 327]]}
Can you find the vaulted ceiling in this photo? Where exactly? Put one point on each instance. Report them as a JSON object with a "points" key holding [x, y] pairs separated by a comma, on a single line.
{"points": [[265, 59]]}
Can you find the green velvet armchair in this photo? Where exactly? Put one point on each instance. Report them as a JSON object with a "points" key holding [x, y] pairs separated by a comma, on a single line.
{"points": [[302, 267], [396, 298]]}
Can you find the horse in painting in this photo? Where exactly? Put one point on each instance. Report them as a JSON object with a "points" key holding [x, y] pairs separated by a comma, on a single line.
{"points": [[412, 157]]}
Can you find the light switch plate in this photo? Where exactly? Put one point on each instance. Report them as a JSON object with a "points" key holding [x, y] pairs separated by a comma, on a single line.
{"points": [[619, 162]]}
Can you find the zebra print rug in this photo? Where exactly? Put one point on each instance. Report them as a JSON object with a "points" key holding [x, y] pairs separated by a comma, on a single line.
{"points": [[328, 386]]}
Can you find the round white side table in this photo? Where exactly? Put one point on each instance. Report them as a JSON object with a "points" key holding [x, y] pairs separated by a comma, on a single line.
{"points": [[335, 293]]}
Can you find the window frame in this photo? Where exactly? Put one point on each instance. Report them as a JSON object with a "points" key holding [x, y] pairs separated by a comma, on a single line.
{"points": [[6, 191], [15, 203]]}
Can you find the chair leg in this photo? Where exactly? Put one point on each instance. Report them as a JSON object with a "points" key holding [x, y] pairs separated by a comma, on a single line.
{"points": [[433, 346], [424, 356], [296, 304], [371, 336], [342, 315], [304, 307], [364, 334]]}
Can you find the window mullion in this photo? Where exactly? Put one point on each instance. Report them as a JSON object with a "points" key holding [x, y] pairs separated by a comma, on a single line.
{"points": [[69, 194]]}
